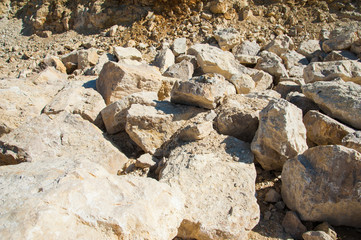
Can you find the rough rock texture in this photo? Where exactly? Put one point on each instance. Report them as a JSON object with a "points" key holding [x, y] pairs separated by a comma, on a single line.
{"points": [[353, 140], [87, 58], [293, 58], [316, 235], [324, 130], [151, 126], [285, 87], [340, 39], [338, 99], [127, 53], [164, 59], [327, 228], [74, 98], [280, 136], [198, 127], [340, 55], [302, 102], [217, 177], [281, 44], [243, 83], [179, 46], [183, 70], [323, 184], [214, 60], [292, 224], [227, 38], [309, 48], [53, 61], [247, 48], [119, 80], [272, 64], [324, 71], [67, 198], [114, 115], [205, 91], [238, 116]]}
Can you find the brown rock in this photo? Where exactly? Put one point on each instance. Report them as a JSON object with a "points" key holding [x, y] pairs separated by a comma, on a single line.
{"points": [[292, 224]]}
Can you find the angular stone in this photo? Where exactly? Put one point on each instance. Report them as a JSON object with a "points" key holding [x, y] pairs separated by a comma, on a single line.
{"points": [[323, 184], [340, 55], [198, 127], [316, 235], [42, 199], [71, 57], [227, 38], [285, 87], [127, 53], [246, 48], [324, 130], [214, 60], [281, 44], [338, 99], [183, 70], [145, 161], [298, 80], [243, 83], [238, 116], [218, 6], [293, 58], [281, 134], [114, 115], [87, 58], [225, 207], [292, 225], [50, 76], [179, 46], [328, 229], [190, 58], [247, 59], [262, 79], [353, 140], [340, 39], [164, 59], [302, 102], [119, 80], [272, 196], [151, 126], [325, 71], [356, 47], [272, 64], [53, 61], [205, 91], [296, 71], [103, 59], [309, 48]]}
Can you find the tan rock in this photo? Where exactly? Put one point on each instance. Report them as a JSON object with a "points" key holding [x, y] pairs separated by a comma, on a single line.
{"points": [[50, 76], [119, 80], [292, 225], [87, 58], [328, 229], [164, 59], [281, 44], [340, 39], [250, 48], [179, 46], [53, 61], [302, 102], [198, 127], [281, 134], [285, 87], [293, 58], [127, 53], [338, 99], [218, 6], [243, 83], [316, 235], [216, 175], [247, 59], [183, 70], [353, 140], [340, 56], [272, 64], [324, 130], [145, 161], [309, 48], [205, 91], [322, 184], [227, 38]]}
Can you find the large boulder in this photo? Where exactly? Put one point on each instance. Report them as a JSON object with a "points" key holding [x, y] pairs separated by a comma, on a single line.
{"points": [[73, 198], [119, 80], [66, 135], [323, 184], [338, 99], [205, 91], [323, 130], [323, 71], [281, 134], [217, 176]]}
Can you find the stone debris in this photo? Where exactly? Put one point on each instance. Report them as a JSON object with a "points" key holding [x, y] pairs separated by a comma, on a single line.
{"points": [[293, 225], [127, 53]]}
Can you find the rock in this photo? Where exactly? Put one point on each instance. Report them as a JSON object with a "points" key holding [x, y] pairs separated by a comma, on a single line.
{"points": [[119, 80], [74, 98], [293, 58], [298, 80], [218, 6], [151, 126], [247, 59], [198, 127], [53, 61], [243, 83], [272, 64], [227, 38], [272, 196], [145, 161], [166, 88], [114, 115], [324, 130], [205, 91], [302, 102], [262, 79], [190, 58], [225, 207], [214, 60], [179, 46], [340, 39], [325, 71], [238, 116], [265, 95], [87, 58], [322, 184], [65, 136], [246, 48], [338, 99], [356, 47], [164, 59], [113, 31], [309, 48], [353, 140], [80, 196], [281, 134], [281, 44], [340, 55], [292, 225], [71, 58], [103, 59], [127, 53], [316, 235], [285, 87], [328, 229], [183, 70]]}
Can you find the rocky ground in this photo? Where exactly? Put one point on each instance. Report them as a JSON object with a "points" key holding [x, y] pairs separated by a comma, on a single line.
{"points": [[180, 119]]}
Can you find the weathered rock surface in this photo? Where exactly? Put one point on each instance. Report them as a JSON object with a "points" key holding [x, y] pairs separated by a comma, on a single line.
{"points": [[238, 116], [216, 175], [353, 140], [87, 58], [53, 61], [127, 53], [151, 126], [179, 46], [323, 184], [324, 130], [227, 38], [324, 71], [339, 56], [247, 59], [164, 59], [281, 134], [272, 64], [243, 83], [340, 39], [309, 48], [292, 224], [316, 235], [281, 44], [338, 99], [42, 199], [250, 48], [183, 70], [285, 87], [205, 91], [293, 58], [119, 80], [328, 229], [302, 102], [114, 115]]}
